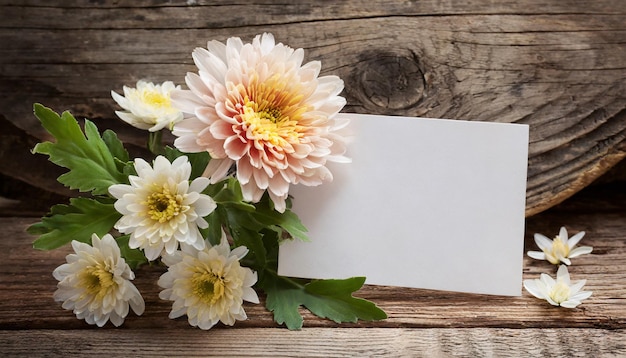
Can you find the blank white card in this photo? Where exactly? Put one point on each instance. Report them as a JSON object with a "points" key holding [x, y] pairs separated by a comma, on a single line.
{"points": [[426, 203]]}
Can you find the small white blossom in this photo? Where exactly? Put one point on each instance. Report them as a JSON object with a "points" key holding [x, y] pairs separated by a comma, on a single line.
{"points": [[208, 285], [559, 292], [560, 249], [148, 106], [95, 283], [161, 208]]}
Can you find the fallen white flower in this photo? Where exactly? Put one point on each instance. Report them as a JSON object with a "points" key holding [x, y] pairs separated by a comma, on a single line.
{"points": [[559, 292], [560, 249]]}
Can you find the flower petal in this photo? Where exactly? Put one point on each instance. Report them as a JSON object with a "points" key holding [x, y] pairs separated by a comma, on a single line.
{"points": [[257, 106], [108, 293], [535, 288], [562, 274], [543, 242], [208, 285], [538, 255], [575, 239], [582, 250]]}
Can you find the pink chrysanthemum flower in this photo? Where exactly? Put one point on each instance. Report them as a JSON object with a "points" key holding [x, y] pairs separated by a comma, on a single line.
{"points": [[255, 105]]}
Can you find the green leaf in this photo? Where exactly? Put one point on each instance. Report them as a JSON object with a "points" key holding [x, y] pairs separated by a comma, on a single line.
{"points": [[120, 155], [77, 221], [284, 300], [287, 220], [330, 299], [245, 232], [333, 299], [214, 231], [227, 194], [226, 191], [133, 257], [116, 147], [91, 165]]}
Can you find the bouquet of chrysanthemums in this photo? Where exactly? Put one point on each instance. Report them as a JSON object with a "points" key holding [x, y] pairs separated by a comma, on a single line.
{"points": [[213, 207]]}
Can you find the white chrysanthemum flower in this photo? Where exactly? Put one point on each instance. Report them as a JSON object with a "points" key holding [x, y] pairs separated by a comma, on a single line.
{"points": [[255, 105], [560, 249], [208, 285], [95, 283], [148, 106], [161, 208], [559, 292]]}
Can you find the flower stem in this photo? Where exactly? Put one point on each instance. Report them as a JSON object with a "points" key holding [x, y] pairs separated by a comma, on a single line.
{"points": [[155, 144]]}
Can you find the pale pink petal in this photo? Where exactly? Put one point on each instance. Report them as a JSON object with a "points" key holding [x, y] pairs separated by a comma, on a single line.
{"points": [[186, 100], [279, 202], [209, 63], [217, 169], [246, 91]]}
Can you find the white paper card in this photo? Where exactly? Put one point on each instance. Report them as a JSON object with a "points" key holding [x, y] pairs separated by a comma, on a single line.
{"points": [[425, 203]]}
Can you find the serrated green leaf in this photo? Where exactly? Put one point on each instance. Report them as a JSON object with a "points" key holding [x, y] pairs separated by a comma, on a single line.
{"points": [[284, 300], [330, 299], [116, 147], [91, 165], [133, 257], [333, 299], [77, 221], [120, 154]]}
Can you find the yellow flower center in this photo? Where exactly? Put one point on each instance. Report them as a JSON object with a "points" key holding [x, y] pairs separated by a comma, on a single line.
{"points": [[269, 127], [559, 248], [163, 205], [271, 111], [97, 280], [207, 286], [156, 99], [560, 292]]}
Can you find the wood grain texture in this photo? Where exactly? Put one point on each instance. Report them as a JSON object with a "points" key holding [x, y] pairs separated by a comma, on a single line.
{"points": [[316, 342], [422, 323], [558, 66]]}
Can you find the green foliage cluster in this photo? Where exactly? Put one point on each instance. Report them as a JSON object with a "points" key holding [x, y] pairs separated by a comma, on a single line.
{"points": [[95, 162]]}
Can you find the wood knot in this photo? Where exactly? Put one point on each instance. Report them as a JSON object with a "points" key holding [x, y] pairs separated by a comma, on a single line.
{"points": [[389, 81]]}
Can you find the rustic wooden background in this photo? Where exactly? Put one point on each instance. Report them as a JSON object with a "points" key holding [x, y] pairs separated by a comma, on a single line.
{"points": [[557, 65]]}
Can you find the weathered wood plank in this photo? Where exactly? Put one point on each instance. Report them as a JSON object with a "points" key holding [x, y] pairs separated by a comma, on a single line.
{"points": [[316, 342], [25, 276], [266, 10], [556, 65]]}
